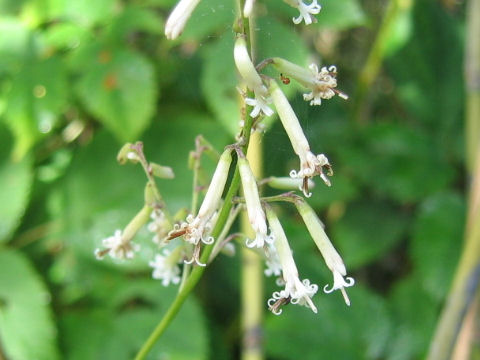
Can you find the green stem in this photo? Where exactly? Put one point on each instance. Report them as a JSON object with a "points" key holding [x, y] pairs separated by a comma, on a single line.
{"points": [[195, 275], [198, 271], [151, 180], [252, 279]]}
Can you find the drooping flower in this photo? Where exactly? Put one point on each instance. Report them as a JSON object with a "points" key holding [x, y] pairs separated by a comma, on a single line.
{"points": [[296, 291], [196, 229], [310, 164], [165, 267], [306, 11], [256, 215], [117, 247], [178, 18], [322, 84], [332, 258], [252, 79]]}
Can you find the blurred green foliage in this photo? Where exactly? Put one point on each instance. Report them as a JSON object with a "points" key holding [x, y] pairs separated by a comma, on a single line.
{"points": [[79, 78]]}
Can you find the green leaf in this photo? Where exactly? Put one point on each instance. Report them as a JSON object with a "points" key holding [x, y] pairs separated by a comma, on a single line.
{"points": [[11, 6], [118, 333], [401, 28], [66, 35], [399, 162], [15, 184], [118, 87], [35, 101], [414, 315], [341, 15], [435, 249], [367, 231], [26, 327], [135, 18], [275, 39], [210, 16], [431, 93], [336, 332], [15, 42], [218, 82], [85, 12]]}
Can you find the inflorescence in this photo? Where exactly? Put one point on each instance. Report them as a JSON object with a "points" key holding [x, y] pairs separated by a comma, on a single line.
{"points": [[181, 241]]}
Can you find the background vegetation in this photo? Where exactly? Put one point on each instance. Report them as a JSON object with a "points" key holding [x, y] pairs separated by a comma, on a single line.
{"points": [[80, 78]]}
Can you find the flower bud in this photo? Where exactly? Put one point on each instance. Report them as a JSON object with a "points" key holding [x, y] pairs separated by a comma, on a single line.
{"points": [[162, 172], [256, 215], [330, 255], [126, 153], [253, 81]]}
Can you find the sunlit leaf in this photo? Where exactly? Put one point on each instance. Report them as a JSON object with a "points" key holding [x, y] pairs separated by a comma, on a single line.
{"points": [[85, 12], [15, 42], [15, 183], [35, 101], [118, 87], [27, 329]]}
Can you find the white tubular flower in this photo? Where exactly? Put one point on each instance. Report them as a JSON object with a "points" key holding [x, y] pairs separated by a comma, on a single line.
{"points": [[117, 247], [256, 216], [165, 267], [247, 9], [310, 164], [253, 81], [306, 11], [195, 229], [330, 255], [178, 18], [296, 291], [322, 84]]}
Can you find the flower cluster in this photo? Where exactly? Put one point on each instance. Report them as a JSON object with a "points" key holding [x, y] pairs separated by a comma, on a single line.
{"points": [[184, 239]]}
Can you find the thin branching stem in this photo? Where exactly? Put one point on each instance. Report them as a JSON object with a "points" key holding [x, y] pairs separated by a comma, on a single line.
{"points": [[198, 271]]}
